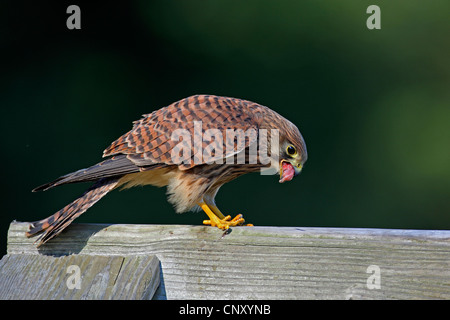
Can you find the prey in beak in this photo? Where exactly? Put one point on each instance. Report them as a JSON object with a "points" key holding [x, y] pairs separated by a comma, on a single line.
{"points": [[288, 170]]}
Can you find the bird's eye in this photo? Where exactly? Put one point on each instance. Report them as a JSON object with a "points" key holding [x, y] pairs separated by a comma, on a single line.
{"points": [[290, 150]]}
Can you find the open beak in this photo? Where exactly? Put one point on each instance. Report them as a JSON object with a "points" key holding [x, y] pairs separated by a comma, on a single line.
{"points": [[288, 170]]}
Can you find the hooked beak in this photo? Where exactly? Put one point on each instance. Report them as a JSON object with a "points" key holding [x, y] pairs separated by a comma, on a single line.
{"points": [[297, 168], [289, 169]]}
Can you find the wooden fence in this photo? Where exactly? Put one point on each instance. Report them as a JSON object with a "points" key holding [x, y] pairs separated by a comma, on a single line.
{"points": [[93, 261]]}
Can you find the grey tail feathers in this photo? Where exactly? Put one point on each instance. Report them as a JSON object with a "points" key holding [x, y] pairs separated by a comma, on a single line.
{"points": [[116, 166]]}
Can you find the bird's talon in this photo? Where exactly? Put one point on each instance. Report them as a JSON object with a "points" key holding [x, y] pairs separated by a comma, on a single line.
{"points": [[239, 217], [226, 222]]}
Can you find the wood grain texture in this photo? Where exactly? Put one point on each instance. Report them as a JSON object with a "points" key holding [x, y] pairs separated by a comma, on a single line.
{"points": [[78, 277], [268, 262]]}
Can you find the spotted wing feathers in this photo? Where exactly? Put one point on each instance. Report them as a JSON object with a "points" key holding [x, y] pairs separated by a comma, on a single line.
{"points": [[150, 141]]}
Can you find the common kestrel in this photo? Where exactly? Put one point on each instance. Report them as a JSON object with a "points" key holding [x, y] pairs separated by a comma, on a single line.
{"points": [[193, 147]]}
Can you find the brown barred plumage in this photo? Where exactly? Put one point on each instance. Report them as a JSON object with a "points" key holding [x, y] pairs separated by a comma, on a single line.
{"points": [[149, 154], [150, 141], [54, 224]]}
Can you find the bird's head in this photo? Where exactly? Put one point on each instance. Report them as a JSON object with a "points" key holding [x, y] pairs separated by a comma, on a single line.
{"points": [[292, 154]]}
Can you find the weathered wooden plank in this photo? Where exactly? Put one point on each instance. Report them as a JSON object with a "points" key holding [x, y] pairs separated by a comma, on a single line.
{"points": [[268, 262], [74, 277]]}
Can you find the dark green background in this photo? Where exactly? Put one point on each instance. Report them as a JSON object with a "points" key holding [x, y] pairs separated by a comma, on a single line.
{"points": [[373, 106]]}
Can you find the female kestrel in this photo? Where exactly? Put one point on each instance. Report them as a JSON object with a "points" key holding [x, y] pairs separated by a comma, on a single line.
{"points": [[174, 147]]}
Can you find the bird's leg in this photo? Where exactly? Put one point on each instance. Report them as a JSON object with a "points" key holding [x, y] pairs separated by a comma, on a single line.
{"points": [[216, 211], [217, 219]]}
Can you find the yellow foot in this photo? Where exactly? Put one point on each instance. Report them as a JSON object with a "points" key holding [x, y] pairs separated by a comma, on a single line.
{"points": [[226, 222], [217, 219]]}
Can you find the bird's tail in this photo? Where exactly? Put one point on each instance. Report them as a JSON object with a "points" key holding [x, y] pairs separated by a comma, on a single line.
{"points": [[56, 223]]}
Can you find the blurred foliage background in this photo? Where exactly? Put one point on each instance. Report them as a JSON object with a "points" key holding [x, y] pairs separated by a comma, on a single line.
{"points": [[373, 105]]}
